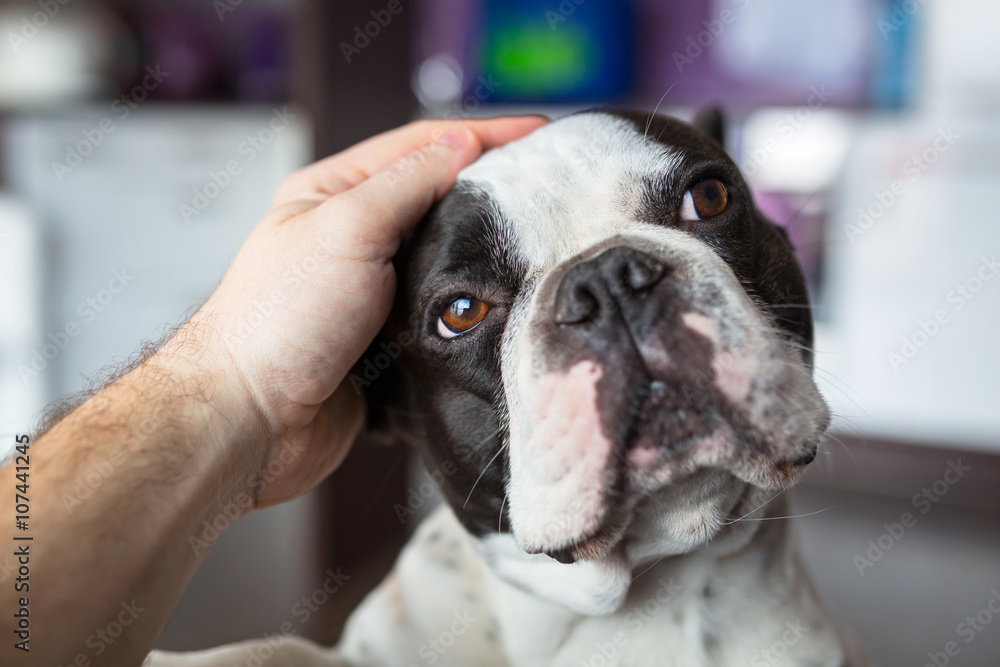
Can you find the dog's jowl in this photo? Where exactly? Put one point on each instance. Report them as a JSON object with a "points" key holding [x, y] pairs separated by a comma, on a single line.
{"points": [[612, 350]]}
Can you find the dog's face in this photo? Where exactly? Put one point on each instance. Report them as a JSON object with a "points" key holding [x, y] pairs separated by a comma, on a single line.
{"points": [[610, 343]]}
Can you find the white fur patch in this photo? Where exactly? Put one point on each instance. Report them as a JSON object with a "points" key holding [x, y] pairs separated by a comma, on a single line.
{"points": [[558, 484], [569, 185]]}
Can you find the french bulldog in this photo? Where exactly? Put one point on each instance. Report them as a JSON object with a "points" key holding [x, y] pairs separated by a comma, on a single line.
{"points": [[608, 349]]}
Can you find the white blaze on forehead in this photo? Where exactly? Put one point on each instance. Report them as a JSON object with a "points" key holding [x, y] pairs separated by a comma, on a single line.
{"points": [[564, 457], [569, 185]]}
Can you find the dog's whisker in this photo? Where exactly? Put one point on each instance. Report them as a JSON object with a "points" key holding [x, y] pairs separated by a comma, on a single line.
{"points": [[834, 381], [729, 523], [847, 392], [858, 433], [832, 438], [651, 566], [794, 344], [499, 450], [652, 115], [791, 516], [795, 216], [664, 127], [500, 520]]}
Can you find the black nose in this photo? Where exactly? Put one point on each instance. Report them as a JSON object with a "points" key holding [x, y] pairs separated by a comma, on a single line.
{"points": [[600, 284]]}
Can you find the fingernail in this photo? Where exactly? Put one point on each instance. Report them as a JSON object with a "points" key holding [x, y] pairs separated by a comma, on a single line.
{"points": [[457, 137]]}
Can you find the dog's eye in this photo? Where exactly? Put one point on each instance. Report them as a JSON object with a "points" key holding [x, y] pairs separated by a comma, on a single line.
{"points": [[463, 315], [705, 200]]}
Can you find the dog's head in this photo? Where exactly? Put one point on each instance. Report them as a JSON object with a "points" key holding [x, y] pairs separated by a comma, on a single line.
{"points": [[609, 342]]}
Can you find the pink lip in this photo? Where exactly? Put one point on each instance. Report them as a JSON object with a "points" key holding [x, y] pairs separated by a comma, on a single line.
{"points": [[643, 454]]}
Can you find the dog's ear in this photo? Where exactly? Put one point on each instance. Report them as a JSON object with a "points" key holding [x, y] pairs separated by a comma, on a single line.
{"points": [[380, 376], [712, 122], [382, 373]]}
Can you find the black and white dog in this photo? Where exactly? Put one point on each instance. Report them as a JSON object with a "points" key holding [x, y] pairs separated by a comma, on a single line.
{"points": [[611, 352]]}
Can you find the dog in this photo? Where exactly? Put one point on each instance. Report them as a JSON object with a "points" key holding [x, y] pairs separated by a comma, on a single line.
{"points": [[610, 351]]}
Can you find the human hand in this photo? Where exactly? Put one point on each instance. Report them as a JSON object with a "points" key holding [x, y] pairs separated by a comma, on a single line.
{"points": [[312, 286]]}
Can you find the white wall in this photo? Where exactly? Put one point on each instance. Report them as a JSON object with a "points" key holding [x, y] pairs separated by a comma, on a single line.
{"points": [[118, 211]]}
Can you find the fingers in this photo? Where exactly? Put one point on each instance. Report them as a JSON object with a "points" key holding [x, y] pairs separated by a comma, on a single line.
{"points": [[355, 165], [494, 132], [372, 217]]}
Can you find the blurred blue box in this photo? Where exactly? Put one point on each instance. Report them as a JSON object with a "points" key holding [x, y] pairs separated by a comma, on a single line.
{"points": [[544, 51]]}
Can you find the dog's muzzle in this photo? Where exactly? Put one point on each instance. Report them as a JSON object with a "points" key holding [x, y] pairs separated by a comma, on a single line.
{"points": [[647, 361]]}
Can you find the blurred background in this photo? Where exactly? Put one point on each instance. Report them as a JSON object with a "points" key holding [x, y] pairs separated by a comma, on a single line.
{"points": [[141, 140]]}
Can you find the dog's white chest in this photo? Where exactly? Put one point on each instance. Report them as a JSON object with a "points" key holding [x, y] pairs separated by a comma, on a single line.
{"points": [[445, 606]]}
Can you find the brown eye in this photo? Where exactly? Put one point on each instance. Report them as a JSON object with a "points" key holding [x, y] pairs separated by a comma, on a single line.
{"points": [[707, 199], [464, 314]]}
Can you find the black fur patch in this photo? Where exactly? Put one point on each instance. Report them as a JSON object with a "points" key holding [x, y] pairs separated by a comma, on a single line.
{"points": [[446, 396]]}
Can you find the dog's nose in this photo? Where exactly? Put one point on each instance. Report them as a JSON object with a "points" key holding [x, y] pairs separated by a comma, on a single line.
{"points": [[599, 285]]}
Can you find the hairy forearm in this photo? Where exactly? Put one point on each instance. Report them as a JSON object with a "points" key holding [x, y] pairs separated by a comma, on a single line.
{"points": [[120, 490]]}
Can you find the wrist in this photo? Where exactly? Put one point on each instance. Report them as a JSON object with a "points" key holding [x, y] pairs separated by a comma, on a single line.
{"points": [[228, 431]]}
